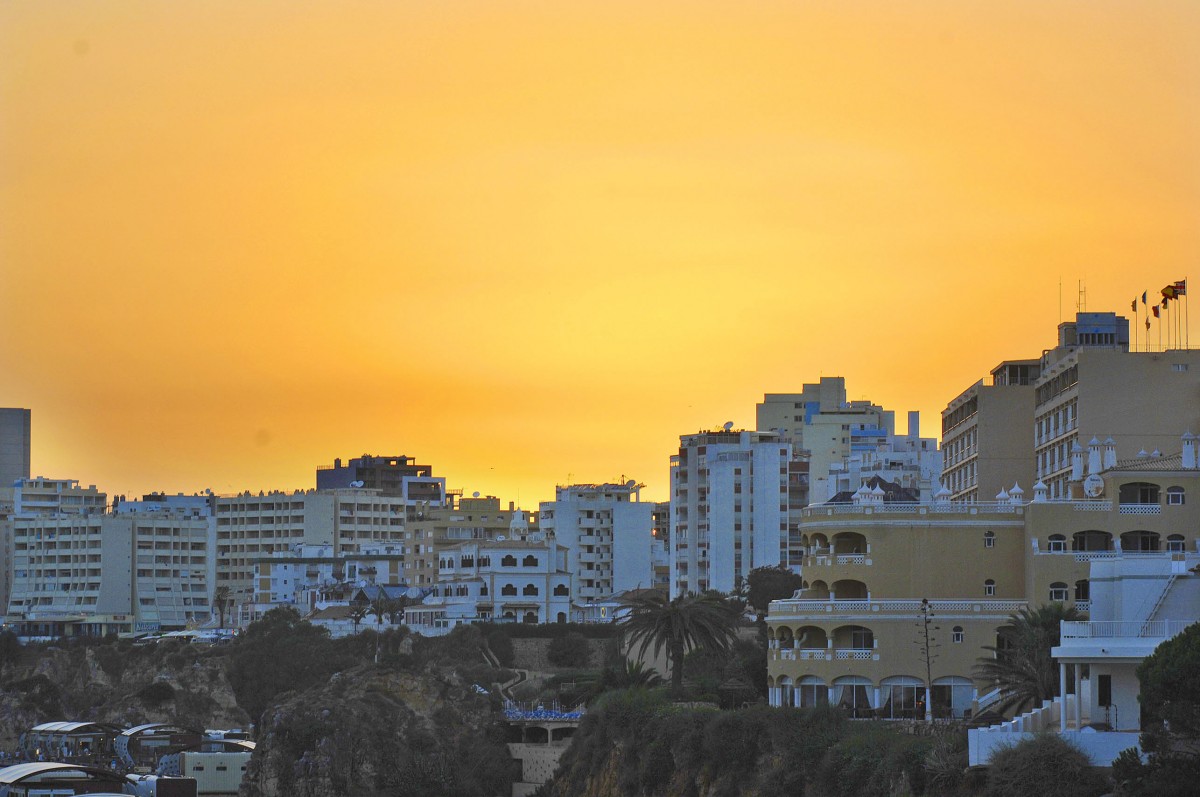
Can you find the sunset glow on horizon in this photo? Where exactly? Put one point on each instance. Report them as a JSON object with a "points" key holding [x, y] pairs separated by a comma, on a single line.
{"points": [[534, 242]]}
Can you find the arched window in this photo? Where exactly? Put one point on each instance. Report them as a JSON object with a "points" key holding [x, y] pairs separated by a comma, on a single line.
{"points": [[956, 635], [530, 589], [508, 561], [1058, 592], [562, 617], [1083, 590], [989, 588], [529, 561], [531, 618], [1176, 543], [483, 590], [1138, 493], [508, 590], [561, 590], [989, 539], [1140, 540], [1057, 543], [1175, 496]]}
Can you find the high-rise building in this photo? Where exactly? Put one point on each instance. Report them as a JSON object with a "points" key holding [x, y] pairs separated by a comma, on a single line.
{"points": [[1038, 415], [81, 571], [987, 445], [1091, 385], [838, 444], [14, 445], [392, 476], [608, 532], [729, 508], [250, 526]]}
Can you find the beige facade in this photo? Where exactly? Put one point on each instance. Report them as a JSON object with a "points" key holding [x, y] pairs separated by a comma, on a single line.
{"points": [[1139, 399], [819, 422], [432, 529], [987, 443], [249, 527], [854, 636]]}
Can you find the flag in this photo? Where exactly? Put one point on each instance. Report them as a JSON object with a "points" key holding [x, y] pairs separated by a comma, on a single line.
{"points": [[1144, 298], [1164, 304], [1181, 288], [1154, 309], [1133, 304], [1168, 293], [1147, 323]]}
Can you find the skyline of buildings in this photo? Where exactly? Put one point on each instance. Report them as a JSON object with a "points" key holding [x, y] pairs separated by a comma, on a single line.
{"points": [[738, 498]]}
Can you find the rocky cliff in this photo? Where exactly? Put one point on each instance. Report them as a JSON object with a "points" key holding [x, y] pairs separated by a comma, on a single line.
{"points": [[117, 683], [381, 731]]}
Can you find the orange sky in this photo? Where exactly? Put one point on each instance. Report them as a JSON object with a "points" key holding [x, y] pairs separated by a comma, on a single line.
{"points": [[533, 241]]}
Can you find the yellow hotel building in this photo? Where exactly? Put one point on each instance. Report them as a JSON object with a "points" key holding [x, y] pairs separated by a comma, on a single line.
{"points": [[854, 636]]}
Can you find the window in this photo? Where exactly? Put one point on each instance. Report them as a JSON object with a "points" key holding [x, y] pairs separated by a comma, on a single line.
{"points": [[989, 539], [989, 588], [956, 635], [1175, 543], [1175, 496], [561, 590], [530, 589], [529, 561], [1058, 592], [508, 561], [1057, 543], [862, 639], [508, 590]]}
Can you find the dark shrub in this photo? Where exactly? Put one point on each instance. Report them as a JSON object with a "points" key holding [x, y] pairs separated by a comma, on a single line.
{"points": [[1046, 765], [571, 650]]}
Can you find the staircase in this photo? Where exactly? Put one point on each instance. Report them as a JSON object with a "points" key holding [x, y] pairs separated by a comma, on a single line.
{"points": [[1180, 601]]}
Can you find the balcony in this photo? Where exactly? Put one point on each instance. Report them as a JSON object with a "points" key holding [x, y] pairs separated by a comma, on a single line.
{"points": [[1140, 509], [856, 654], [814, 609], [1122, 629]]}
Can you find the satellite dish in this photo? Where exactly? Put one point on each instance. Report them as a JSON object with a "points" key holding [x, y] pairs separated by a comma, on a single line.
{"points": [[631, 483], [499, 538], [1093, 486], [475, 494], [357, 484], [728, 425]]}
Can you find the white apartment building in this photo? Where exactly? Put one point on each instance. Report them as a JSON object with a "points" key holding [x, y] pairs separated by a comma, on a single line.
{"points": [[89, 573], [910, 461], [521, 580], [608, 533], [310, 577], [729, 508], [250, 527]]}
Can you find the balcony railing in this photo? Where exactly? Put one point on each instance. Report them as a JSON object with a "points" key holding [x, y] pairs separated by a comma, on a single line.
{"points": [[1117, 629], [895, 607], [1140, 509], [856, 654]]}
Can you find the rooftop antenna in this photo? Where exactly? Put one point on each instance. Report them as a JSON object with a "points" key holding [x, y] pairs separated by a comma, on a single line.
{"points": [[1060, 298], [1081, 300]]}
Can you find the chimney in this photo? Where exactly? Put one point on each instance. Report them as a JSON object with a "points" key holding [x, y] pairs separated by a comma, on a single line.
{"points": [[1076, 462], [1110, 453], [1093, 456], [1189, 451]]}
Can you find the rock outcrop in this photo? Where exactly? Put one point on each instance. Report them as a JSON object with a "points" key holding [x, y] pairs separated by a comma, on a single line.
{"points": [[117, 683], [376, 731]]}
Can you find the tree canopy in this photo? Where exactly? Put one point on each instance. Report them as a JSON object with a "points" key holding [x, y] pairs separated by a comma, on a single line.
{"points": [[1021, 665], [685, 623], [771, 584]]}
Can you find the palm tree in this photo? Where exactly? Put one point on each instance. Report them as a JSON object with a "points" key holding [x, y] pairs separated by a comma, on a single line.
{"points": [[1020, 664], [688, 622], [221, 602], [358, 613]]}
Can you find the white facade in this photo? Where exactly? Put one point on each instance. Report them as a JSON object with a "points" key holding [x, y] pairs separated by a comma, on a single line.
{"points": [[1138, 601], [523, 581], [92, 573], [250, 527], [910, 461], [608, 533], [729, 508]]}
